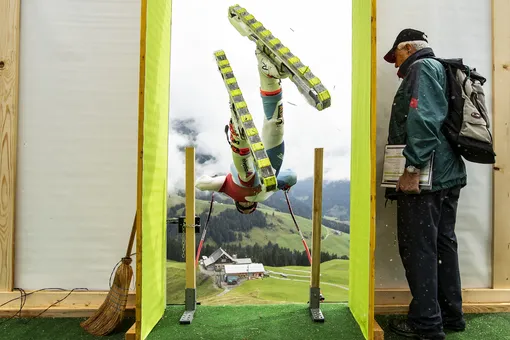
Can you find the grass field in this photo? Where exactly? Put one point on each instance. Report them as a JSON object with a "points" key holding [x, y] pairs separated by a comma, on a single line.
{"points": [[275, 289], [176, 283], [284, 232]]}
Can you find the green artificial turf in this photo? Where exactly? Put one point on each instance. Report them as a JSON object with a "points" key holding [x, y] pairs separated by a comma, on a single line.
{"points": [[285, 321], [54, 329], [478, 327]]}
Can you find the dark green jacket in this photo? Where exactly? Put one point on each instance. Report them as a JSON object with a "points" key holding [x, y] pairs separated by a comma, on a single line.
{"points": [[419, 108]]}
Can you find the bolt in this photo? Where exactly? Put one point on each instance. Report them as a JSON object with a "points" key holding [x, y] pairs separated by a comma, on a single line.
{"points": [[2, 64]]}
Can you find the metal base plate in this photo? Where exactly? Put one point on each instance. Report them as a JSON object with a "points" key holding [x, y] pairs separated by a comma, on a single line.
{"points": [[316, 314], [187, 317]]}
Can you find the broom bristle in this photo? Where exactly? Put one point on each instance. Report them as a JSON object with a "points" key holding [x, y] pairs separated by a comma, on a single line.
{"points": [[111, 312]]}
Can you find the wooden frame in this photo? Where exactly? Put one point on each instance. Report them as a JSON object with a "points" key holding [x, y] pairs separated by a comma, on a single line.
{"points": [[9, 82], [141, 116], [500, 124], [375, 331], [496, 298]]}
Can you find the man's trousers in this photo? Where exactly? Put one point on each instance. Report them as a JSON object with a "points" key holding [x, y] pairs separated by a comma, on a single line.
{"points": [[428, 249]]}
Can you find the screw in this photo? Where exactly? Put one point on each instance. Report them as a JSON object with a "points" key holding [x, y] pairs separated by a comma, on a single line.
{"points": [[2, 65]]}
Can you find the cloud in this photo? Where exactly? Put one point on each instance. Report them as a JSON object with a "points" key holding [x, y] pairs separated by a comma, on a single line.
{"points": [[320, 38]]}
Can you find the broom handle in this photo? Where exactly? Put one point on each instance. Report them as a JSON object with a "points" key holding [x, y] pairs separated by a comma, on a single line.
{"points": [[132, 238]]}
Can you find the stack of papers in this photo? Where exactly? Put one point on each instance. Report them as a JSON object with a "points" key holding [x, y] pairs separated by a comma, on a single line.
{"points": [[394, 166]]}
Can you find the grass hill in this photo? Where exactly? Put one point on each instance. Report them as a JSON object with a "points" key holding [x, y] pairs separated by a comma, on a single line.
{"points": [[275, 289], [269, 225]]}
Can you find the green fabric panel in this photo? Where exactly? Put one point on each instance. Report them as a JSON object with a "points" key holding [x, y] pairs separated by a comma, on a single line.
{"points": [[155, 163], [359, 274]]}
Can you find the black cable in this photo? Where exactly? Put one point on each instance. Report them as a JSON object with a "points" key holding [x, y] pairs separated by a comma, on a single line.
{"points": [[23, 298], [53, 304]]}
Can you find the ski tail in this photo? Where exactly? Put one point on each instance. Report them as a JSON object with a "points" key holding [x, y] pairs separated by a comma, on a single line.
{"points": [[309, 85], [243, 122]]}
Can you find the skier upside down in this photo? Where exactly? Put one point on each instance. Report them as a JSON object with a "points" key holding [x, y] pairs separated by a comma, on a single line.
{"points": [[242, 183]]}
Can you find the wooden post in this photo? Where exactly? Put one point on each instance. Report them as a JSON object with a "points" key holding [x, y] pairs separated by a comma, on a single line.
{"points": [[189, 229], [317, 217], [315, 292], [190, 218], [501, 131], [9, 80]]}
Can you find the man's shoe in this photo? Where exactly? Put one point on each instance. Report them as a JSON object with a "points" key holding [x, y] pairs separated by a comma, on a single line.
{"points": [[455, 327], [403, 328]]}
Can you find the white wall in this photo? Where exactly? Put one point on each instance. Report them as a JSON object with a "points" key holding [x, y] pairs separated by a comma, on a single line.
{"points": [[76, 188], [456, 28]]}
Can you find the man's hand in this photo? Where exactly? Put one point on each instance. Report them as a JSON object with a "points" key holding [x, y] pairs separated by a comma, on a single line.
{"points": [[409, 183]]}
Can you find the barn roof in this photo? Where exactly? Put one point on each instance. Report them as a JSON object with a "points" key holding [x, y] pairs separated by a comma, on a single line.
{"points": [[244, 268], [216, 256], [243, 261]]}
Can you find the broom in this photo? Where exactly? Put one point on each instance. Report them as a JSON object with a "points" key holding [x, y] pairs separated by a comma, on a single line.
{"points": [[111, 312]]}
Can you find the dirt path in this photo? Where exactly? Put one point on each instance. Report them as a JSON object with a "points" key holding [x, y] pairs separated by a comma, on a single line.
{"points": [[278, 273], [225, 291], [327, 235], [322, 283]]}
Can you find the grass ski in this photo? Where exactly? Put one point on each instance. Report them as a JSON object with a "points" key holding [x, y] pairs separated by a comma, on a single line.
{"points": [[244, 124], [307, 83]]}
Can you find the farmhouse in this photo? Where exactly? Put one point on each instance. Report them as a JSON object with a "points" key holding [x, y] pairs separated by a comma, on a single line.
{"points": [[244, 271], [220, 258], [241, 261]]}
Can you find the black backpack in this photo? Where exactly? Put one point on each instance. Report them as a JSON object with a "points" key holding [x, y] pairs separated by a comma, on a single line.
{"points": [[467, 124]]}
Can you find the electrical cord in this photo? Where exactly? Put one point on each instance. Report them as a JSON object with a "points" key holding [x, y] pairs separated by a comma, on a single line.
{"points": [[23, 297]]}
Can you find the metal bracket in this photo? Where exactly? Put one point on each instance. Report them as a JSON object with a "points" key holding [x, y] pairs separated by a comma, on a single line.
{"points": [[314, 305], [190, 306], [181, 222]]}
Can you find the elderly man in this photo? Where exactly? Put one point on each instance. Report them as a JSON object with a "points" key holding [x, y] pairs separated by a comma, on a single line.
{"points": [[425, 218]]}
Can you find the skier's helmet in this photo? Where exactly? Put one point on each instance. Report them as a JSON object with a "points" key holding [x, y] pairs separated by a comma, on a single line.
{"points": [[246, 207]]}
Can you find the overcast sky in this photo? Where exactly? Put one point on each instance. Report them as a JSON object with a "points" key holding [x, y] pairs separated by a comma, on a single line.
{"points": [[319, 34]]}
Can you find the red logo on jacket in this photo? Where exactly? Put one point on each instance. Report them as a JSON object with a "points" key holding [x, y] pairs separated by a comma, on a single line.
{"points": [[414, 103]]}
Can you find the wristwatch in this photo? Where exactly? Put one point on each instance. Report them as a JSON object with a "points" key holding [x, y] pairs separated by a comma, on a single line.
{"points": [[412, 169]]}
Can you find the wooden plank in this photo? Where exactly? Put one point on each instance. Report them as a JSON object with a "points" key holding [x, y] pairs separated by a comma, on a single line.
{"points": [[131, 333], [501, 131], [9, 80], [71, 305], [403, 296], [468, 308], [141, 117], [59, 312], [378, 331], [372, 324]]}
